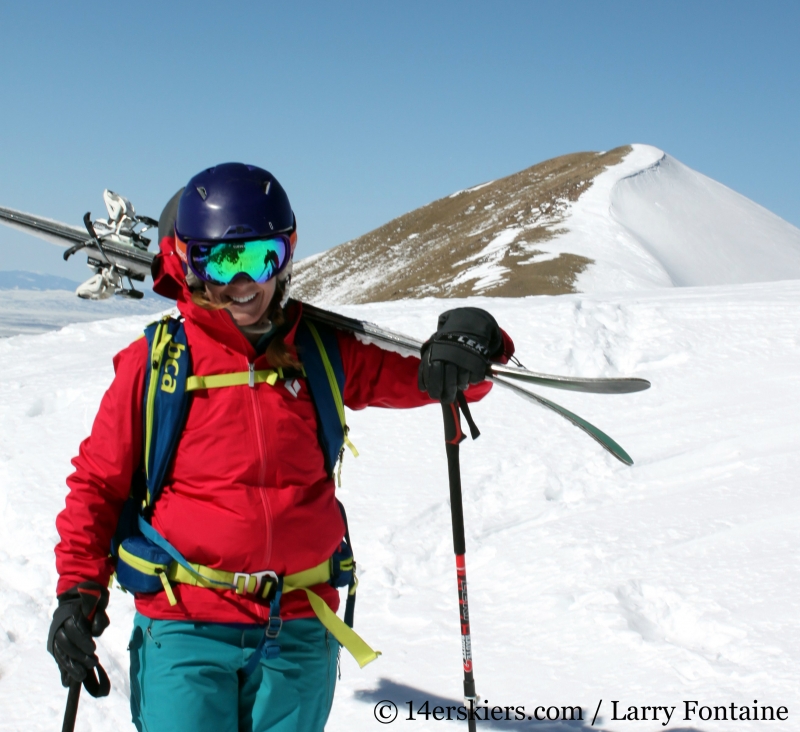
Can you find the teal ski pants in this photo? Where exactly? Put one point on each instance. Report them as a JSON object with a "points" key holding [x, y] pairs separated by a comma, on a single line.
{"points": [[188, 677]]}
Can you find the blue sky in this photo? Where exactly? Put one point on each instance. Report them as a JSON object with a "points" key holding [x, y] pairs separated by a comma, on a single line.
{"points": [[366, 110]]}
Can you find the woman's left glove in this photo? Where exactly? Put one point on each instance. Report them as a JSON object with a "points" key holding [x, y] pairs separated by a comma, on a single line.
{"points": [[458, 353], [80, 618]]}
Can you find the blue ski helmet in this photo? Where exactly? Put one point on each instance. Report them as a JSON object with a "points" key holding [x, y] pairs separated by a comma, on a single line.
{"points": [[233, 201]]}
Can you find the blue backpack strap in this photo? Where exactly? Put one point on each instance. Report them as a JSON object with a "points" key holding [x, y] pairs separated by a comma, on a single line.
{"points": [[318, 349], [164, 411], [350, 606], [166, 401], [322, 361]]}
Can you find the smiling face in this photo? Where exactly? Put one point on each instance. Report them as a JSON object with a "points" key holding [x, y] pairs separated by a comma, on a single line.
{"points": [[247, 301]]}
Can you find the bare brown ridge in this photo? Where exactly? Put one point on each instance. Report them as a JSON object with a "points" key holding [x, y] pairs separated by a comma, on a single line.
{"points": [[481, 241]]}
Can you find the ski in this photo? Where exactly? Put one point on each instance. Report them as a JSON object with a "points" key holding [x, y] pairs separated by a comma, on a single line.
{"points": [[594, 432], [406, 345], [597, 385], [127, 258], [409, 346]]}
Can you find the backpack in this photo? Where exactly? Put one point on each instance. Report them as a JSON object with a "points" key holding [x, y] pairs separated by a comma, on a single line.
{"points": [[146, 562]]}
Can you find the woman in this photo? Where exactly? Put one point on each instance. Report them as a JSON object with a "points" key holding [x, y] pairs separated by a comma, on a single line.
{"points": [[248, 490]]}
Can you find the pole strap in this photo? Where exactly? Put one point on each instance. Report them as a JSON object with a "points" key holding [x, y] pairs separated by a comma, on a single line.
{"points": [[474, 432]]}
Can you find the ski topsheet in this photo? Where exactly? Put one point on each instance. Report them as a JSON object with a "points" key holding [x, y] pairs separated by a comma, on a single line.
{"points": [[499, 374]]}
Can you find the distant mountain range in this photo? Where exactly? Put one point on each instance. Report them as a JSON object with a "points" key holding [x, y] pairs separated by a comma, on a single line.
{"points": [[36, 303], [629, 219], [19, 280]]}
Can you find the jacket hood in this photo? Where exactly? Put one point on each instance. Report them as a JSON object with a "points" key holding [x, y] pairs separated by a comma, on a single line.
{"points": [[169, 279]]}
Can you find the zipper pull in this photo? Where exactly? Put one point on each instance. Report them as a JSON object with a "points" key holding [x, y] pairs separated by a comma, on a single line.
{"points": [[252, 379]]}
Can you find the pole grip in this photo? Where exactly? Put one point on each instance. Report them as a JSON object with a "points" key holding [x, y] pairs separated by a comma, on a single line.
{"points": [[452, 437]]}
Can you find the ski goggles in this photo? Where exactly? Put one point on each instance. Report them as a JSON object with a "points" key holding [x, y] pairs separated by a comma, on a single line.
{"points": [[219, 263]]}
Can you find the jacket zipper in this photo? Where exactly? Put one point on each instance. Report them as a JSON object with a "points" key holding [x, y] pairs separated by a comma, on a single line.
{"points": [[264, 459]]}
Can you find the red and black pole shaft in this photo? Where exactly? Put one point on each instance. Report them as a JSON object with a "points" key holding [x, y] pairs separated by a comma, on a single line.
{"points": [[453, 436]]}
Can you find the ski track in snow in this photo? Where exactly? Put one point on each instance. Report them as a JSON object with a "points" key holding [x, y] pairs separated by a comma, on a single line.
{"points": [[672, 580]]}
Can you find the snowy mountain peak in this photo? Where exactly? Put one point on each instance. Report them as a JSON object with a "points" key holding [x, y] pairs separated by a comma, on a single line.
{"points": [[629, 219], [487, 239]]}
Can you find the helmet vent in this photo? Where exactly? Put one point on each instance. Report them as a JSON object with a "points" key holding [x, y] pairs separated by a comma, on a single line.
{"points": [[266, 187], [239, 230], [202, 191]]}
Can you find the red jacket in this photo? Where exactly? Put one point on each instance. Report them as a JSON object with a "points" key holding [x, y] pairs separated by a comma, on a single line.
{"points": [[247, 490]]}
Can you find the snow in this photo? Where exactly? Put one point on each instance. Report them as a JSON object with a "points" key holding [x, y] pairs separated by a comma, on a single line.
{"points": [[470, 190], [490, 270], [724, 237], [671, 580], [651, 221]]}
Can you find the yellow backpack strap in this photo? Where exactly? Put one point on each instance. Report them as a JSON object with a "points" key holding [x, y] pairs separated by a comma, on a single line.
{"points": [[220, 579], [147, 567], [238, 378], [347, 637]]}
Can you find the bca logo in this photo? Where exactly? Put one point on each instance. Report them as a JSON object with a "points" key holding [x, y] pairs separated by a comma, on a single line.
{"points": [[293, 387], [174, 351]]}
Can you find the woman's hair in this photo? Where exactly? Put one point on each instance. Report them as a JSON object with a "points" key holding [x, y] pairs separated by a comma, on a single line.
{"points": [[277, 353]]}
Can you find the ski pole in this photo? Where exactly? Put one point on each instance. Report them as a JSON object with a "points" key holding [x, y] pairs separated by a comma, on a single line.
{"points": [[453, 435], [71, 712]]}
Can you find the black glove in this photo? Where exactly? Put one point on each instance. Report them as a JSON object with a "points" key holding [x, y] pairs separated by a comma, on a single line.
{"points": [[458, 354], [79, 618]]}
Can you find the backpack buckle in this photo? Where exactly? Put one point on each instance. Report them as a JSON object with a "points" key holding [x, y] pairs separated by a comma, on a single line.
{"points": [[274, 626], [264, 584]]}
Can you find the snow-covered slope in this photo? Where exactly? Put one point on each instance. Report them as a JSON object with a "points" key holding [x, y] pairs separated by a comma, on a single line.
{"points": [[633, 218], [652, 221], [672, 580]]}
